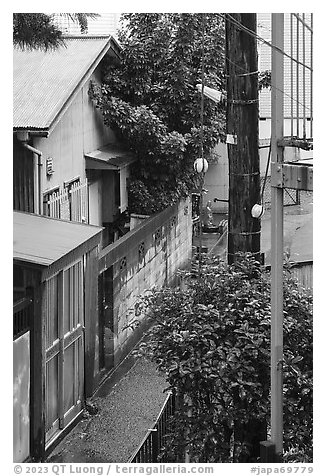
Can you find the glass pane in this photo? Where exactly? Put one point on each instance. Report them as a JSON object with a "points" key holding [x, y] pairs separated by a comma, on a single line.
{"points": [[73, 295], [69, 377], [66, 298], [51, 392], [52, 311], [80, 368]]}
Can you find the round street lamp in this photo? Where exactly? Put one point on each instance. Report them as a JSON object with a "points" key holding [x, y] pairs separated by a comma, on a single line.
{"points": [[257, 211], [201, 165]]}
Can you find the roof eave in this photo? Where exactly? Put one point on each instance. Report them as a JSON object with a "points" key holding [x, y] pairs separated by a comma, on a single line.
{"points": [[33, 131], [45, 131]]}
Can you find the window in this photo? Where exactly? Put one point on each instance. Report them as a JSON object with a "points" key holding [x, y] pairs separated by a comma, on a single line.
{"points": [[77, 196], [69, 204], [52, 203]]}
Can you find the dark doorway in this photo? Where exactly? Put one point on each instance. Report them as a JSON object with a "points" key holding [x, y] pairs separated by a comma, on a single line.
{"points": [[106, 328]]}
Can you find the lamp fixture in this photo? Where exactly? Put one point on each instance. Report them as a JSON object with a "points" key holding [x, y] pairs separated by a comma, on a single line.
{"points": [[257, 211], [201, 165]]}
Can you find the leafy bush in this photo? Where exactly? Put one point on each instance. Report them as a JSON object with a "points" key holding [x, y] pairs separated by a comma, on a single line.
{"points": [[149, 98], [212, 339]]}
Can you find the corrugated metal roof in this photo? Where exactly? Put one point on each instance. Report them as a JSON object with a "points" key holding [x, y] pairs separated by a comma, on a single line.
{"points": [[111, 156], [44, 81], [41, 240]]}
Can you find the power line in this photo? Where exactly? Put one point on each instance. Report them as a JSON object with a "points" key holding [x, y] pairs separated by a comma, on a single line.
{"points": [[278, 89], [235, 22], [302, 21]]}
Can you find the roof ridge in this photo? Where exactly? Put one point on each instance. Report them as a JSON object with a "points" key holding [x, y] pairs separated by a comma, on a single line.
{"points": [[85, 36]]}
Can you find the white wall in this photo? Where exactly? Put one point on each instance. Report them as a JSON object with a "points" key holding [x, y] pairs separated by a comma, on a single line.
{"points": [[79, 131], [21, 404], [217, 178]]}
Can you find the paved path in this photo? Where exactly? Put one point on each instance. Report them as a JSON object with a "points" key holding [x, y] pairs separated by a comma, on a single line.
{"points": [[125, 414]]}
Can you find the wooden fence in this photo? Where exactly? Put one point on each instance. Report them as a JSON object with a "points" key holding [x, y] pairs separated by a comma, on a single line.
{"points": [[149, 449], [69, 204], [303, 272]]}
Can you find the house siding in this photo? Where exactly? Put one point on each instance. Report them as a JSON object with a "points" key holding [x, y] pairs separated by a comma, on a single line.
{"points": [[79, 131]]}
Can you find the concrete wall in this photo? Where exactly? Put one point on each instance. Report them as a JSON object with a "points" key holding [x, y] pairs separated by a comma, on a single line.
{"points": [[147, 257]]}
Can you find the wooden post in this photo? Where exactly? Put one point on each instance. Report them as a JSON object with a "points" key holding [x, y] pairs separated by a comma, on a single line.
{"points": [[277, 237], [267, 452], [242, 128]]}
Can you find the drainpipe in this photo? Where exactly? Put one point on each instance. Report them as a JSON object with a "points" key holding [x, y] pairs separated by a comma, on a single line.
{"points": [[39, 165]]}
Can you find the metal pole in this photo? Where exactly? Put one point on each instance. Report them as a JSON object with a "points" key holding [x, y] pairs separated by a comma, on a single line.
{"points": [[304, 76], [298, 79], [291, 64], [311, 76], [277, 237]]}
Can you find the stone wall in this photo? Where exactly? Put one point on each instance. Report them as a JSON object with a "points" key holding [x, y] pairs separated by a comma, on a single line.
{"points": [[148, 256]]}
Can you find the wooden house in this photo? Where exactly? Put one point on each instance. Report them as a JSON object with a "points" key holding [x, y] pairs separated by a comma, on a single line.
{"points": [[56, 125], [68, 180], [55, 311]]}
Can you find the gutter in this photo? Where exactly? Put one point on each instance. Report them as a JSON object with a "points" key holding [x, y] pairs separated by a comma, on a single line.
{"points": [[39, 165]]}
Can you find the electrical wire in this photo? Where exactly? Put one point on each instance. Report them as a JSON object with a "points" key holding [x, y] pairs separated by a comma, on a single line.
{"points": [[278, 89], [235, 22], [297, 16]]}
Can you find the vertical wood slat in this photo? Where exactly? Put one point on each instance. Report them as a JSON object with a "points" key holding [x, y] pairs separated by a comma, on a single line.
{"points": [[79, 202], [37, 378], [61, 297]]}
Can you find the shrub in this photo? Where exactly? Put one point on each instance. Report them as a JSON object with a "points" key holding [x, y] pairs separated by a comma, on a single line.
{"points": [[212, 339]]}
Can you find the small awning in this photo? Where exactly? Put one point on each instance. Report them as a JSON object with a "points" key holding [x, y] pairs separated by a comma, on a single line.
{"points": [[109, 157], [41, 240]]}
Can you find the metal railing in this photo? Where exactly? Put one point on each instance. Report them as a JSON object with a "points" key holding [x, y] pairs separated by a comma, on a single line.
{"points": [[149, 449]]}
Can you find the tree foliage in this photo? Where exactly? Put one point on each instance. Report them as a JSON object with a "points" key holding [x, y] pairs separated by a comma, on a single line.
{"points": [[151, 101], [212, 340], [38, 30]]}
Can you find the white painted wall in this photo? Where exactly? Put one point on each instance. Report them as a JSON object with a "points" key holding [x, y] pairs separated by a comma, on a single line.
{"points": [[21, 405], [217, 178]]}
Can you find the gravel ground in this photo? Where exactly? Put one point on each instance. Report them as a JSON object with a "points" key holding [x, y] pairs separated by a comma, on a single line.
{"points": [[124, 416]]}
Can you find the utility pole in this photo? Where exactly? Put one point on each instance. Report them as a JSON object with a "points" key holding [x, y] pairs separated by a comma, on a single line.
{"points": [[243, 135]]}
